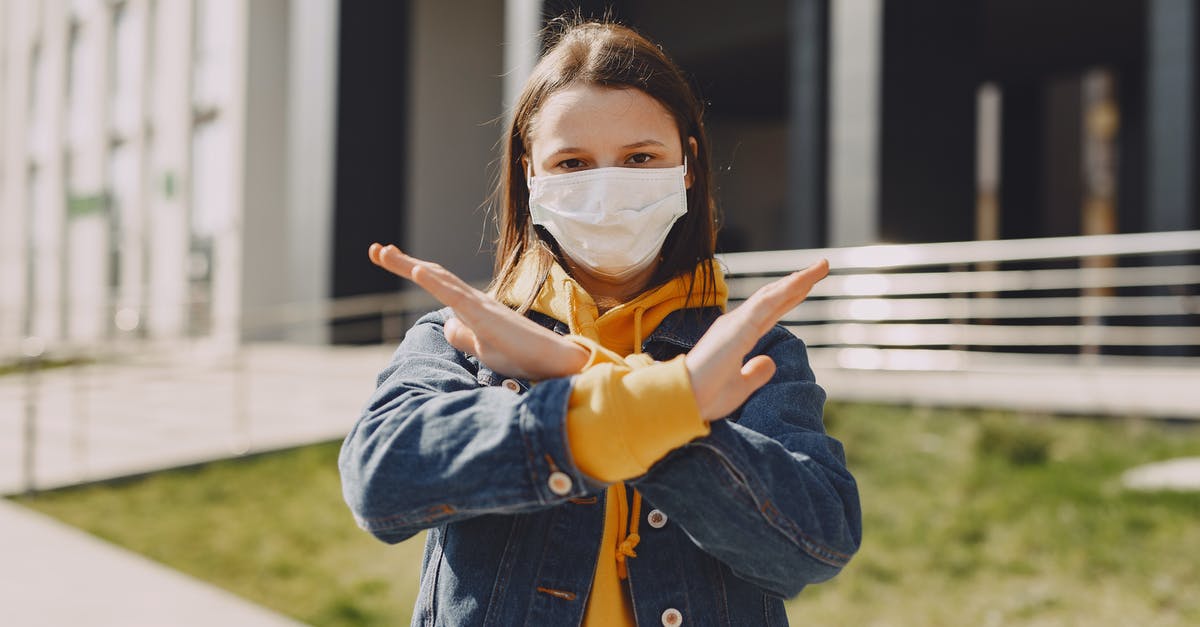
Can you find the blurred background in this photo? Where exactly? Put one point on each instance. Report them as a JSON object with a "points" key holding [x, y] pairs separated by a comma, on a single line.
{"points": [[170, 164], [1006, 190]]}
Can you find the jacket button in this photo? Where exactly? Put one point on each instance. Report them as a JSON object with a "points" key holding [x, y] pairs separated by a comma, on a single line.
{"points": [[559, 483], [672, 618], [657, 519], [511, 385]]}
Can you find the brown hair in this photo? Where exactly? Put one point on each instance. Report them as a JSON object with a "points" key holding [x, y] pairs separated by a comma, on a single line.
{"points": [[609, 55]]}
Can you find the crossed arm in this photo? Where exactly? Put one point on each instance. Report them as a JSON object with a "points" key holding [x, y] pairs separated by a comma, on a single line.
{"points": [[509, 342]]}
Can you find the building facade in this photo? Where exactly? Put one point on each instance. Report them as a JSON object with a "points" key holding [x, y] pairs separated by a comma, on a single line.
{"points": [[146, 166], [187, 169]]}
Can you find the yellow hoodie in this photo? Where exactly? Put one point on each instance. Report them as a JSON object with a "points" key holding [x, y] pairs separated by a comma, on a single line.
{"points": [[626, 411]]}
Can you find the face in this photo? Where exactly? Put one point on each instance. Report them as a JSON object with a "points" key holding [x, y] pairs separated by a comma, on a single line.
{"points": [[588, 126]]}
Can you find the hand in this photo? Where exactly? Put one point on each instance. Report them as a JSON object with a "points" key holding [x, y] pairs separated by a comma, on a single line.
{"points": [[719, 380], [501, 338]]}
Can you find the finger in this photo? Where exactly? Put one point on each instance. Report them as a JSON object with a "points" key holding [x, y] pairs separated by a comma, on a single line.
{"points": [[447, 277], [757, 372], [797, 286], [391, 259], [373, 253], [429, 276], [769, 303], [445, 291]]}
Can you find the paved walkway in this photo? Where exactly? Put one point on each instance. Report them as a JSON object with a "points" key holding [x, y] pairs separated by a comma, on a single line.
{"points": [[111, 420], [102, 421], [52, 575]]}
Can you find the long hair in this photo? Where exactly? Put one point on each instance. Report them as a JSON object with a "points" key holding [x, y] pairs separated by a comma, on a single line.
{"points": [[609, 55]]}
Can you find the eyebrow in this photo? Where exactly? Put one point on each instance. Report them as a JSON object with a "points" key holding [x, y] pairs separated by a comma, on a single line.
{"points": [[640, 144]]}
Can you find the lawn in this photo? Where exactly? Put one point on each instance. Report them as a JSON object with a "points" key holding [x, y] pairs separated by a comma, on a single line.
{"points": [[971, 518]]}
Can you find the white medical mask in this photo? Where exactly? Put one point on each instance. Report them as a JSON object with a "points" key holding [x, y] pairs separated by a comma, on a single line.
{"points": [[612, 221]]}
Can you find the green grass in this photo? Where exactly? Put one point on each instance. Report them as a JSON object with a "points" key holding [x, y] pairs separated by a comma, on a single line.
{"points": [[270, 528], [22, 367], [971, 518]]}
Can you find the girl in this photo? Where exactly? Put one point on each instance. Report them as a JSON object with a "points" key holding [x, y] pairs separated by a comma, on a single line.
{"points": [[593, 441]]}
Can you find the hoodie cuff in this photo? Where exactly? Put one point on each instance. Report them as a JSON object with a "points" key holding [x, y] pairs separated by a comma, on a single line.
{"points": [[621, 419]]}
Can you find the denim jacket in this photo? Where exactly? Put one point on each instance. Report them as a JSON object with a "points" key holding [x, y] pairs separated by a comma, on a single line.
{"points": [[735, 521]]}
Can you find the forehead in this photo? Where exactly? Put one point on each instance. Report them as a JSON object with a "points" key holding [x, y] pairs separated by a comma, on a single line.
{"points": [[591, 116]]}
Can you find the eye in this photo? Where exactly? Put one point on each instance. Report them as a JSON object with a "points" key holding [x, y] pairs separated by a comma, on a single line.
{"points": [[570, 164], [640, 158]]}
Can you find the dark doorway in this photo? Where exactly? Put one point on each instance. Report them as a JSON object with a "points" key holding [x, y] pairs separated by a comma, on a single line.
{"points": [[370, 160]]}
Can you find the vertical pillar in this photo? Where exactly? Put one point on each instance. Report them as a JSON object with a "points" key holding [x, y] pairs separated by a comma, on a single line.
{"points": [[1170, 112], [13, 77], [169, 103], [267, 229], [804, 224], [522, 42], [312, 112], [854, 43], [987, 162]]}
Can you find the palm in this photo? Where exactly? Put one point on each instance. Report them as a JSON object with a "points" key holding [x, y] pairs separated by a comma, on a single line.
{"points": [[720, 381], [501, 338]]}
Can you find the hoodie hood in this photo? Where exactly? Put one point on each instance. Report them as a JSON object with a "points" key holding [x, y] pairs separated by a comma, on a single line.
{"points": [[623, 328]]}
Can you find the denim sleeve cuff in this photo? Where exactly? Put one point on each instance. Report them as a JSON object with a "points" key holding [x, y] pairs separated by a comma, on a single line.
{"points": [[554, 473]]}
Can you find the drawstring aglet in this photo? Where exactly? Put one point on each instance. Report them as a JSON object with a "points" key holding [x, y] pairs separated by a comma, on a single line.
{"points": [[626, 550]]}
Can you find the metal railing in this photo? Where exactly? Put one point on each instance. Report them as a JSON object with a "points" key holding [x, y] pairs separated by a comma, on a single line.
{"points": [[1102, 324], [968, 323]]}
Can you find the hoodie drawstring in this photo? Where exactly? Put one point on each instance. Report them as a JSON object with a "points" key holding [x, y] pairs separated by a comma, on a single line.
{"points": [[627, 522], [627, 526], [572, 311], [637, 329], [630, 540]]}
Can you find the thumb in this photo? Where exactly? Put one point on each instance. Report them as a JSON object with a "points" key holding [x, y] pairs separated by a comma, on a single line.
{"points": [[756, 373], [460, 336]]}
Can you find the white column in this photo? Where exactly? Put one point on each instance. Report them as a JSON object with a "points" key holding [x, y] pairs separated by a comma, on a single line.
{"points": [[265, 217], [854, 81], [522, 41], [312, 122], [231, 98], [169, 93], [14, 77], [57, 267]]}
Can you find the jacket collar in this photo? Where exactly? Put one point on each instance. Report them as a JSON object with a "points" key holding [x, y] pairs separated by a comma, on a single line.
{"points": [[681, 328]]}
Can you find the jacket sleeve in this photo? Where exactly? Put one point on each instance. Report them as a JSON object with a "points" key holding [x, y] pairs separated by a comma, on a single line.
{"points": [[779, 506], [433, 445]]}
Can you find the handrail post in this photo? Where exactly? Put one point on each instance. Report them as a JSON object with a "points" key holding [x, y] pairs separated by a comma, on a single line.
{"points": [[32, 349]]}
